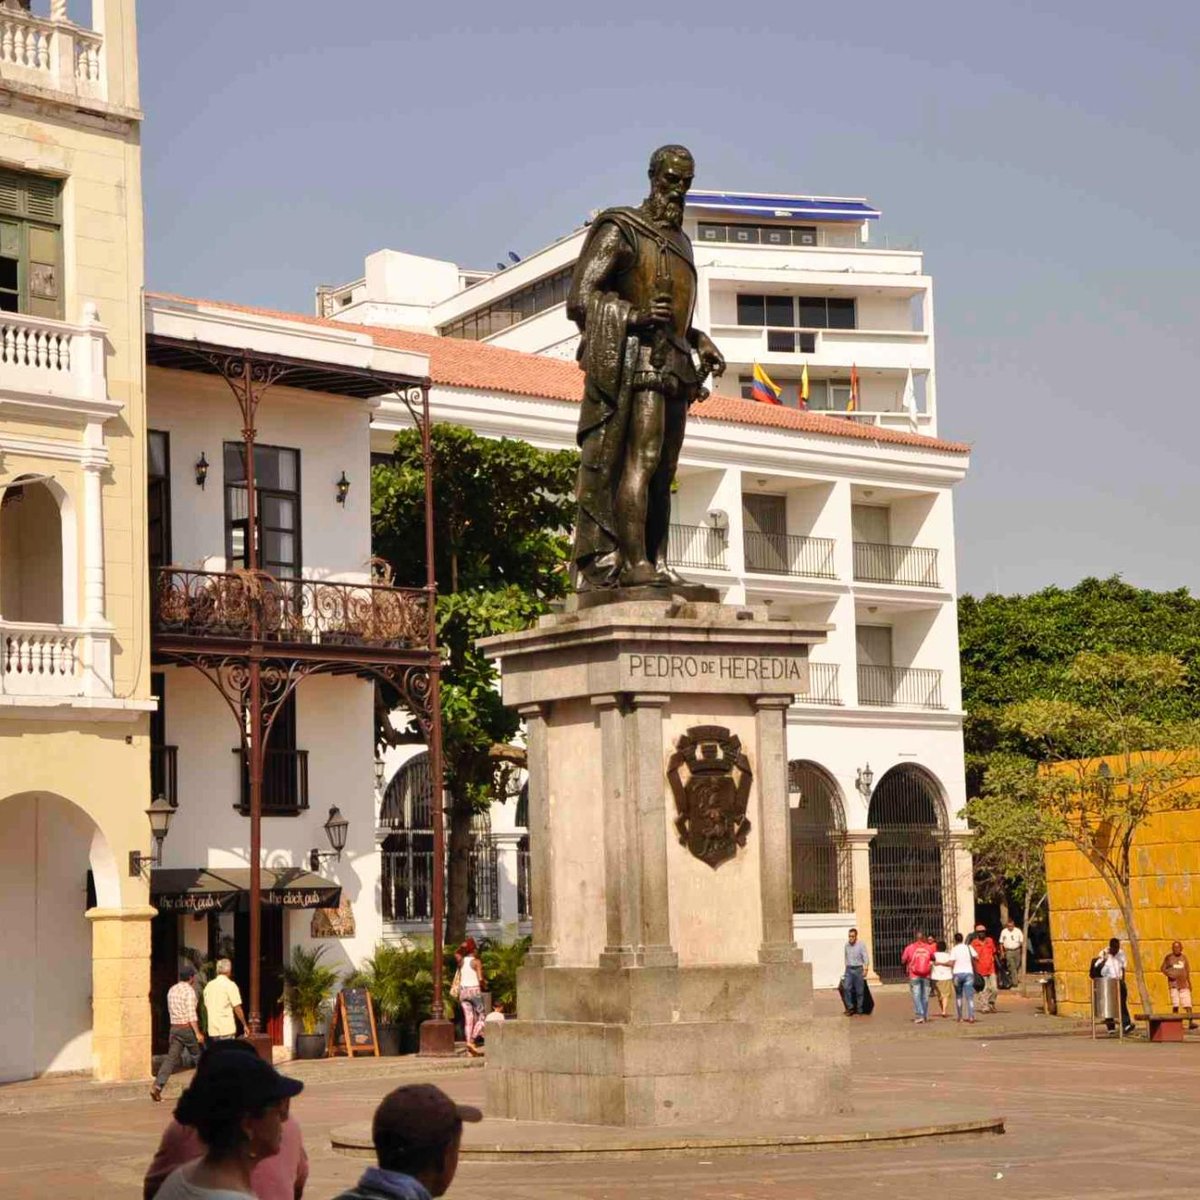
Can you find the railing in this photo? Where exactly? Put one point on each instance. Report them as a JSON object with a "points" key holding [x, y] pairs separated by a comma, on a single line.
{"points": [[915, 566], [40, 356], [899, 687], [245, 605], [822, 685], [284, 783], [697, 546], [407, 879], [40, 660], [51, 53], [789, 554], [822, 875], [524, 881], [164, 774]]}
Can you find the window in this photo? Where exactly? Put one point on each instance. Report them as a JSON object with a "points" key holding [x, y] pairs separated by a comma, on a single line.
{"points": [[277, 482], [30, 245], [519, 305], [874, 645], [158, 497], [771, 235], [826, 395], [764, 518], [871, 523], [285, 769], [823, 312]]}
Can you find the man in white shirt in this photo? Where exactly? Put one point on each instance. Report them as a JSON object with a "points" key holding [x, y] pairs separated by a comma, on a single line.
{"points": [[1012, 942], [223, 1003], [1113, 967]]}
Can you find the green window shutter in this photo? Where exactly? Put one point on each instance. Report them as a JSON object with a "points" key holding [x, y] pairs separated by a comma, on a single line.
{"points": [[31, 244]]}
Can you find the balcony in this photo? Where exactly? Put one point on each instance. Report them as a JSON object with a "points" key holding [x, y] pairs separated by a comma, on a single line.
{"points": [[284, 785], [164, 774], [46, 364], [52, 54], [822, 685], [789, 554], [699, 546], [899, 687], [189, 607], [884, 349], [911, 566]]}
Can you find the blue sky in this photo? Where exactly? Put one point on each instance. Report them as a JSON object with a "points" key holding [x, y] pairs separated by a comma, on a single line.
{"points": [[1045, 155]]}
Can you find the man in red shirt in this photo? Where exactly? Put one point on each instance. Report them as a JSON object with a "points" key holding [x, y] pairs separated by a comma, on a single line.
{"points": [[917, 961], [985, 964]]}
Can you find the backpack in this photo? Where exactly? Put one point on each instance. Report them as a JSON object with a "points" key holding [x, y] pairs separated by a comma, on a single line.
{"points": [[1095, 971], [920, 961]]}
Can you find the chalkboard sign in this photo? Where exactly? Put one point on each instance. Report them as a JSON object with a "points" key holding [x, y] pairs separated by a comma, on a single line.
{"points": [[352, 1030]]}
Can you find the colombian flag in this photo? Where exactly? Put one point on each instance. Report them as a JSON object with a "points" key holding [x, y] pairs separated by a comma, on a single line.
{"points": [[764, 389], [803, 389], [852, 403]]}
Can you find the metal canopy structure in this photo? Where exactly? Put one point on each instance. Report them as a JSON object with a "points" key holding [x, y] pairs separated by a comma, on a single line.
{"points": [[255, 637]]}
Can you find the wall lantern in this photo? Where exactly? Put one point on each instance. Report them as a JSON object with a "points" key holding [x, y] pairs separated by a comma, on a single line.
{"points": [[343, 488], [159, 814], [380, 770], [335, 830], [863, 781], [201, 470]]}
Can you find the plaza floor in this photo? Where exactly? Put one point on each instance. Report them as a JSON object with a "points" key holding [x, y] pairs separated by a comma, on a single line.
{"points": [[1095, 1119]]}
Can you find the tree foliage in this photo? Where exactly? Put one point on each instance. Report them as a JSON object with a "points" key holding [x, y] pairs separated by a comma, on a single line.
{"points": [[502, 509]]}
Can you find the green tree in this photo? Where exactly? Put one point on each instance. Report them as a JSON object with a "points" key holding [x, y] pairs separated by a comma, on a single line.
{"points": [[502, 510], [1106, 767]]}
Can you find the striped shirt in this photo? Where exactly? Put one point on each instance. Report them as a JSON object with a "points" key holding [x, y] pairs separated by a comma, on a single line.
{"points": [[181, 1004]]}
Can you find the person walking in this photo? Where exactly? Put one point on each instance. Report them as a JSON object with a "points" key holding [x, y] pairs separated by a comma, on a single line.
{"points": [[186, 1037], [417, 1131], [281, 1176], [1179, 981], [471, 982], [854, 982], [1112, 966], [223, 1003], [237, 1106], [943, 978], [917, 960], [1012, 942], [985, 964], [962, 970]]}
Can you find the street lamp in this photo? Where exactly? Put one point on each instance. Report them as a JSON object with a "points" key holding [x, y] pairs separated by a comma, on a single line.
{"points": [[335, 830], [379, 773], [863, 781], [159, 814]]}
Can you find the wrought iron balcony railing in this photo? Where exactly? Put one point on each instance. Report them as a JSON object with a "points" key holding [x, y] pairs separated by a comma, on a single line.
{"points": [[164, 774], [789, 554], [252, 606], [285, 783], [822, 685], [915, 566], [899, 687], [697, 546]]}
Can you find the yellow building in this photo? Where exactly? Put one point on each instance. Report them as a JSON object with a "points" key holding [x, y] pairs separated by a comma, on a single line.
{"points": [[74, 651], [1166, 893]]}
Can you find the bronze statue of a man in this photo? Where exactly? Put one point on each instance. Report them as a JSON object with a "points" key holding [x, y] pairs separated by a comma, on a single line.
{"points": [[633, 295]]}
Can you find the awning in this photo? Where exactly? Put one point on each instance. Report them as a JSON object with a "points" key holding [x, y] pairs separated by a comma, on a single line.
{"points": [[816, 208], [227, 889]]}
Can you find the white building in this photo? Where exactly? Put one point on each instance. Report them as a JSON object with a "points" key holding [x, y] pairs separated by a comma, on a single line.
{"points": [[842, 516]]}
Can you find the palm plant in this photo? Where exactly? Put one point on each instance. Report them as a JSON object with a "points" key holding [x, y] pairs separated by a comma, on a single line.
{"points": [[501, 962], [307, 987]]}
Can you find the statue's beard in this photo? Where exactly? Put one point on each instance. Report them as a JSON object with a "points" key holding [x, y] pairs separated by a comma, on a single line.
{"points": [[664, 210]]}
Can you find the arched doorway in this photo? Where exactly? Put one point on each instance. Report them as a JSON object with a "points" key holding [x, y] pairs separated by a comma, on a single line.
{"points": [[31, 554], [54, 864], [907, 861], [820, 855]]}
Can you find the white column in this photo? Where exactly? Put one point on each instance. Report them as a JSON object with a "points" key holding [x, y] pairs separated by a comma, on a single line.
{"points": [[97, 648], [860, 870], [506, 878], [963, 874]]}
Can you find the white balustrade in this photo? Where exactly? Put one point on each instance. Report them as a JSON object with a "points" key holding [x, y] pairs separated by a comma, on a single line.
{"points": [[42, 357], [52, 53], [40, 660]]}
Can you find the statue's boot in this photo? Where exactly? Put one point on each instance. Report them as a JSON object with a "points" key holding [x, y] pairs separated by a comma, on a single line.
{"points": [[668, 575], [642, 574]]}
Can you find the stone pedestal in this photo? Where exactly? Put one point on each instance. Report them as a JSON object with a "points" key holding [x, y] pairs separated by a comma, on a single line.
{"points": [[664, 985]]}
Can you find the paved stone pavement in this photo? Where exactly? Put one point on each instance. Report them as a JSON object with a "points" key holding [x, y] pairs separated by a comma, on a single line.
{"points": [[1085, 1119]]}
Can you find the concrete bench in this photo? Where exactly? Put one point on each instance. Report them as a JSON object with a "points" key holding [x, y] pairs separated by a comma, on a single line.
{"points": [[1164, 1027]]}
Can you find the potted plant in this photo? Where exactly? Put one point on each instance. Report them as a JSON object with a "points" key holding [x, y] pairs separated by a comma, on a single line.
{"points": [[400, 980], [501, 962], [307, 989]]}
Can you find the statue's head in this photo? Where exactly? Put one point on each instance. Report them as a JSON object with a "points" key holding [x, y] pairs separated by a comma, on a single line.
{"points": [[671, 171]]}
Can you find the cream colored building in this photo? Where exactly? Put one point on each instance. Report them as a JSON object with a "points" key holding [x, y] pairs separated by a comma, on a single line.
{"points": [[74, 652]]}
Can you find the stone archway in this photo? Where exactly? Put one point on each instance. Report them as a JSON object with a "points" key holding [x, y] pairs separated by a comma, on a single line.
{"points": [[55, 864], [909, 859]]}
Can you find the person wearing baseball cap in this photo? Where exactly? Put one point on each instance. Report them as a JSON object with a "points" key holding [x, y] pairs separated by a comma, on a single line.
{"points": [[417, 1131], [237, 1104]]}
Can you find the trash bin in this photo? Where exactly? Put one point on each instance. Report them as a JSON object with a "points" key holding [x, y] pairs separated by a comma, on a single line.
{"points": [[1049, 1000], [1106, 1000]]}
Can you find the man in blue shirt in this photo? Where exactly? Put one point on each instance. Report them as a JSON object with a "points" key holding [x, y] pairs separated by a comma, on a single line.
{"points": [[854, 984], [417, 1131]]}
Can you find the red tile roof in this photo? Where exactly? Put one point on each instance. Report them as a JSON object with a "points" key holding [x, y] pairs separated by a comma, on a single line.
{"points": [[454, 362]]}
